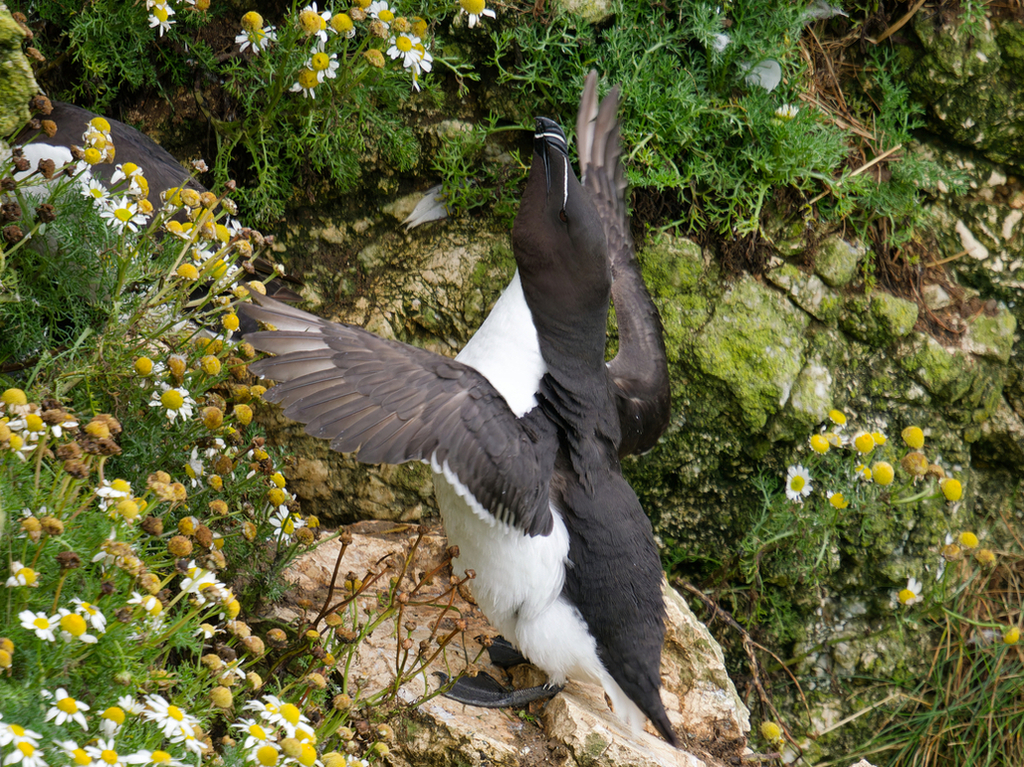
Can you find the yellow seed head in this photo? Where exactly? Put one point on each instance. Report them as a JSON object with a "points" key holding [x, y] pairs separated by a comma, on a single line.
{"points": [[252, 21], [951, 489], [221, 697], [341, 23], [915, 464], [819, 444], [914, 437], [244, 414], [968, 540], [213, 417], [985, 557], [864, 443], [210, 365], [882, 472], [74, 624]]}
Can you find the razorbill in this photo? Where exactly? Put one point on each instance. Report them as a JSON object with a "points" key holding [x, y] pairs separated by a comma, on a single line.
{"points": [[525, 447], [159, 167]]}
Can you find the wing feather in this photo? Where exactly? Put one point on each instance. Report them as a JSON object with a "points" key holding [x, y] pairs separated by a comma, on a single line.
{"points": [[387, 402]]}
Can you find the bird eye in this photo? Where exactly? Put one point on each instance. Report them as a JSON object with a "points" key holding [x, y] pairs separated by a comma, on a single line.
{"points": [[563, 217]]}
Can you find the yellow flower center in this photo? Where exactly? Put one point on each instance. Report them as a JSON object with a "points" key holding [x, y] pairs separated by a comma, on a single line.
{"points": [[838, 501], [914, 437], [67, 705], [109, 756], [906, 595], [257, 731], [320, 62], [114, 714], [100, 124], [27, 574], [309, 22], [386, 16], [172, 400], [837, 417], [864, 443], [81, 758], [92, 155], [473, 7], [796, 484], [341, 22], [252, 21], [26, 748], [819, 444], [403, 43], [175, 713], [123, 214], [33, 422], [73, 624], [160, 757], [161, 13], [266, 755], [41, 623], [290, 713], [307, 79]]}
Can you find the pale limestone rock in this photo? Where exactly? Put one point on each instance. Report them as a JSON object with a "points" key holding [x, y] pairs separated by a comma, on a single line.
{"points": [[579, 728]]}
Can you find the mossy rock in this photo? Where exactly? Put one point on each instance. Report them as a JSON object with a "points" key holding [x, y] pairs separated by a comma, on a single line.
{"points": [[754, 345], [878, 319], [808, 292], [17, 84], [992, 336], [836, 261], [970, 81]]}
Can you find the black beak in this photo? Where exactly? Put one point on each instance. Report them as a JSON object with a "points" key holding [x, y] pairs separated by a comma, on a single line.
{"points": [[548, 135]]}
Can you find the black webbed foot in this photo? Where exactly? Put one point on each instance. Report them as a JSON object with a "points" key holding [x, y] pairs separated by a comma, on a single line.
{"points": [[504, 655], [485, 691]]}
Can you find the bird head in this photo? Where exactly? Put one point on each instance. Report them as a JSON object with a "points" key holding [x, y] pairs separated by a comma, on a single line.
{"points": [[558, 240]]}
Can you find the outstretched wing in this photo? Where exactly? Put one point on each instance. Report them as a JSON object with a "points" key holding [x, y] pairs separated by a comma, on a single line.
{"points": [[391, 403], [639, 372]]}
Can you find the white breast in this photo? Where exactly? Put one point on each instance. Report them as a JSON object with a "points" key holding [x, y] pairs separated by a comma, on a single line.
{"points": [[506, 351]]}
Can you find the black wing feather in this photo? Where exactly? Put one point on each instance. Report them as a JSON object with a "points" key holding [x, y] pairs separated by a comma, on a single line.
{"points": [[639, 372], [391, 403]]}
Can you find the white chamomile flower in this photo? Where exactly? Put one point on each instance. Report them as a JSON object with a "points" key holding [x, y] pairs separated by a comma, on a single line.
{"points": [[91, 614], [404, 47], [475, 9], [123, 214], [160, 17], [257, 39], [94, 189], [171, 719], [175, 401], [111, 493], [67, 709], [158, 757], [323, 65], [315, 22], [798, 483], [911, 595], [380, 11], [22, 576], [105, 753], [306, 82], [787, 112], [42, 624]]}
